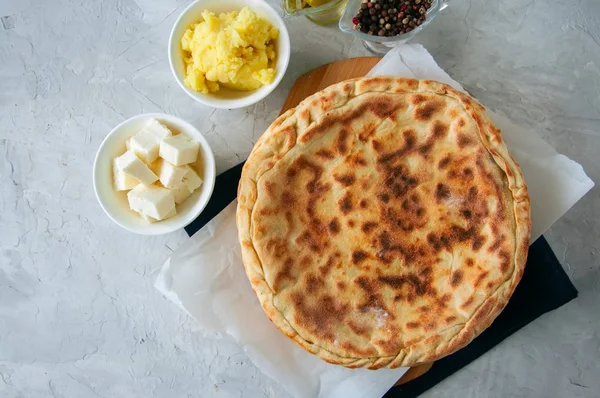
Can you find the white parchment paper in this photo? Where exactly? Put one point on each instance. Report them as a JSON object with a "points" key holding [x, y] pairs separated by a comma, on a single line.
{"points": [[205, 277]]}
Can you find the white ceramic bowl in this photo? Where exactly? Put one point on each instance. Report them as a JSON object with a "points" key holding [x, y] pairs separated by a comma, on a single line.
{"points": [[226, 98], [114, 203]]}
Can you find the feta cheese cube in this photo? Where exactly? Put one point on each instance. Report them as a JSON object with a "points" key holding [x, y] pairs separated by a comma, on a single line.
{"points": [[122, 181], [157, 129], [152, 220], [146, 143], [179, 150], [131, 165], [181, 193], [171, 176], [191, 179], [145, 146], [151, 201]]}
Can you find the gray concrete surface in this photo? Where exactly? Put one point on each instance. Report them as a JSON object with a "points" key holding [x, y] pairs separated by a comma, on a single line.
{"points": [[79, 316]]}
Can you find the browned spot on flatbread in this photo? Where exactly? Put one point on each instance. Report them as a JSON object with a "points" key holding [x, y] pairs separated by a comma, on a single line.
{"points": [[341, 144], [334, 226], [368, 226], [288, 198], [417, 99], [325, 268], [457, 277], [478, 242], [413, 325], [397, 282], [325, 154], [358, 256], [384, 197], [439, 129], [444, 162], [321, 316], [270, 188], [409, 144], [354, 350], [480, 278], [427, 110], [464, 141], [467, 303], [377, 147], [344, 179], [505, 260], [283, 275], [362, 204], [345, 203], [313, 284], [360, 330], [442, 191]]}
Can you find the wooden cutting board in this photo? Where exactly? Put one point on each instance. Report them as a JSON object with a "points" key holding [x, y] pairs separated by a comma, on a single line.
{"points": [[318, 79]]}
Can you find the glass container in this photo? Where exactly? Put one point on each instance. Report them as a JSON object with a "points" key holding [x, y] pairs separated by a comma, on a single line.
{"points": [[381, 45], [324, 14]]}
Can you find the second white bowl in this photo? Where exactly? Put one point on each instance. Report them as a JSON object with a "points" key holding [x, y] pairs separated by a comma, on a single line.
{"points": [[115, 204], [225, 98]]}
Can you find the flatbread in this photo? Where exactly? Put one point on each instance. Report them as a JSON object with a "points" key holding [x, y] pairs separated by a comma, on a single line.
{"points": [[383, 222]]}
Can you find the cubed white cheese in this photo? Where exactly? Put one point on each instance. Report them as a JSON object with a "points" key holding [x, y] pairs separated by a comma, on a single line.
{"points": [[179, 150], [153, 220], [151, 201], [157, 129], [171, 176], [181, 193], [131, 165], [128, 144], [122, 181], [191, 179], [146, 143], [145, 146]]}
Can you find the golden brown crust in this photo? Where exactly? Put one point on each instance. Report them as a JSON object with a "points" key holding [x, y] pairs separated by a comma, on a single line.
{"points": [[383, 222]]}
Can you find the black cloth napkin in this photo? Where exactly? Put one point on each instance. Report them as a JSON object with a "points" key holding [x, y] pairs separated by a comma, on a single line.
{"points": [[545, 286]]}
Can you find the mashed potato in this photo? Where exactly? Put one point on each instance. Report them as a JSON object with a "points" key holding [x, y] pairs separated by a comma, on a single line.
{"points": [[236, 50]]}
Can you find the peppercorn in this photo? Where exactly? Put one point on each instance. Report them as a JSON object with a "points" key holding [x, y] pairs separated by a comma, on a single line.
{"points": [[390, 17]]}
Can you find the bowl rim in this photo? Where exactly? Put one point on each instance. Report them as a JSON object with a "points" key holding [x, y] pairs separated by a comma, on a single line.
{"points": [[208, 184], [254, 96]]}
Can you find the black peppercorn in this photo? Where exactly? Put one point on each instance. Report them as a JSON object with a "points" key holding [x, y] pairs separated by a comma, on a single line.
{"points": [[390, 17]]}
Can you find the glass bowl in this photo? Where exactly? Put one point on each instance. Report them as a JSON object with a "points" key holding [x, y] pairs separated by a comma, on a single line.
{"points": [[381, 45], [322, 15]]}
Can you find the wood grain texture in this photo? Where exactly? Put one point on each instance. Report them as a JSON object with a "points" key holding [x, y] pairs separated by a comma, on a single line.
{"points": [[326, 75], [318, 79]]}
